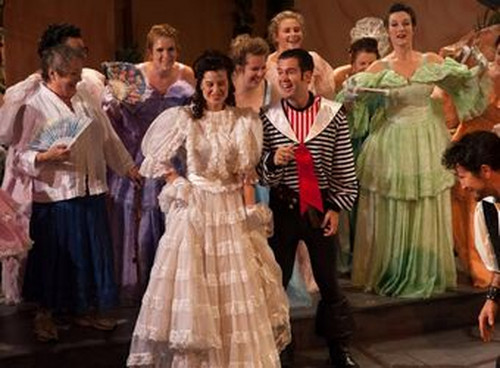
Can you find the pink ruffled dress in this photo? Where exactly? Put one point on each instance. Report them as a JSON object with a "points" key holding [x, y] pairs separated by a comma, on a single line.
{"points": [[14, 243]]}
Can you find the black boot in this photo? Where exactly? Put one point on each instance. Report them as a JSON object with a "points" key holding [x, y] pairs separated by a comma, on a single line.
{"points": [[286, 356], [340, 356]]}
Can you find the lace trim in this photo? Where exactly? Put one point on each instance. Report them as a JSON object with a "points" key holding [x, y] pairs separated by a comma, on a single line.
{"points": [[223, 218], [212, 279]]}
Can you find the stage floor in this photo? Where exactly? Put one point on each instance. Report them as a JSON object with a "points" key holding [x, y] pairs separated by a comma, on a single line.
{"points": [[437, 332]]}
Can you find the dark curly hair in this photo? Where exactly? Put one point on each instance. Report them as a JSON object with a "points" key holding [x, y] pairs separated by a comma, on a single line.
{"points": [[211, 60], [56, 34], [365, 44], [472, 151]]}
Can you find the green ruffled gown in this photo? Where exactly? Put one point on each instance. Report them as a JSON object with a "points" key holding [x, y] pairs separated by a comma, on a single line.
{"points": [[404, 244]]}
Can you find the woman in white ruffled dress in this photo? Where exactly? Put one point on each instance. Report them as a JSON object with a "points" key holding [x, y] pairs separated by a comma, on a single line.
{"points": [[214, 297]]}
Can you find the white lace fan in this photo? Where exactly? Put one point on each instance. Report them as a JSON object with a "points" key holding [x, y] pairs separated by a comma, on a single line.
{"points": [[62, 131], [373, 28]]}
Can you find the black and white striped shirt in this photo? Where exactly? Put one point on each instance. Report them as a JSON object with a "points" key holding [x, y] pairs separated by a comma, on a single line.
{"points": [[330, 146]]}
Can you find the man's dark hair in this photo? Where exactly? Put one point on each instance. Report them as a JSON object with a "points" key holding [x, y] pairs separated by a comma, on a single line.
{"points": [[472, 151], [401, 7], [57, 34], [306, 63]]}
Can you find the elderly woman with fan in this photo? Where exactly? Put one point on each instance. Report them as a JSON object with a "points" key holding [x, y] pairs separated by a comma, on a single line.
{"points": [[15, 185], [64, 147], [137, 94]]}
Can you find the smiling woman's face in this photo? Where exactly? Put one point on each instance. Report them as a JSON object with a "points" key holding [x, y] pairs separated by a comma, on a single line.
{"points": [[254, 70], [289, 34], [215, 89], [400, 28], [164, 53]]}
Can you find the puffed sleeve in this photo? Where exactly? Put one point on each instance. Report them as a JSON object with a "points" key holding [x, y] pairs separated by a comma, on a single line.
{"points": [[15, 97], [29, 120], [115, 153], [93, 82], [468, 88], [162, 140], [248, 135], [366, 107]]}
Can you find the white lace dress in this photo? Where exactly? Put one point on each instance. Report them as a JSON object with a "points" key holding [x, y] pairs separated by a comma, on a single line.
{"points": [[214, 297]]}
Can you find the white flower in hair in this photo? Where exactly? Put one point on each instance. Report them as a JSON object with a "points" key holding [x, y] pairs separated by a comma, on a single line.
{"points": [[373, 28]]}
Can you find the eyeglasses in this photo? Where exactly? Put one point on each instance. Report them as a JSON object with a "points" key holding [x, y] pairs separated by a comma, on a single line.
{"points": [[85, 51]]}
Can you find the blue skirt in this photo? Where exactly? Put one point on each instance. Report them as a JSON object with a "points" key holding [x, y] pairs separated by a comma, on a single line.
{"points": [[70, 267]]}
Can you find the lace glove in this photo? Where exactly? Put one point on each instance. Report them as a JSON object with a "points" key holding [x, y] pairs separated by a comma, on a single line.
{"points": [[174, 194], [260, 218], [351, 91]]}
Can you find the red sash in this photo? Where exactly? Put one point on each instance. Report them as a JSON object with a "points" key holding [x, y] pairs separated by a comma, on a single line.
{"points": [[309, 193]]}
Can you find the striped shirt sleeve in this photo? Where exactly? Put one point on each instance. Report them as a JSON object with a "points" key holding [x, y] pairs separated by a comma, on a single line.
{"points": [[343, 185]]}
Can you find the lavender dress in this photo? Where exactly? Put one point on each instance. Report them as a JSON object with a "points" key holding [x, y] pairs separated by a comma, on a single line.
{"points": [[135, 217]]}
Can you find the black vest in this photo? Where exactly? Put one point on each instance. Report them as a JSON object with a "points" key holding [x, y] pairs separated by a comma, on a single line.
{"points": [[491, 219]]}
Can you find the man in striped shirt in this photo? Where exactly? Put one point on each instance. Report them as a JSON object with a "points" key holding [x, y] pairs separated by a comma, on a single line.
{"points": [[307, 161]]}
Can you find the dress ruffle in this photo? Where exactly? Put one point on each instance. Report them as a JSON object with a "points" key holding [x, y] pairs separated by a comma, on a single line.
{"points": [[403, 244], [215, 297], [213, 293], [14, 239], [402, 159], [468, 89]]}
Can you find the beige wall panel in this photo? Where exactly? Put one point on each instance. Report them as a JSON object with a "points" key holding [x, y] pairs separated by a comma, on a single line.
{"points": [[202, 24], [208, 24], [439, 22], [25, 20]]}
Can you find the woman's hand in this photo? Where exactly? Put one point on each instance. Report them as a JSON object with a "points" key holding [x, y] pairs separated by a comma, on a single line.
{"points": [[134, 176], [171, 174], [57, 153]]}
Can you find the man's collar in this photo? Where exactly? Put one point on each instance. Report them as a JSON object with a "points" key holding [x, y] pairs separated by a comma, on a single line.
{"points": [[310, 102], [277, 117]]}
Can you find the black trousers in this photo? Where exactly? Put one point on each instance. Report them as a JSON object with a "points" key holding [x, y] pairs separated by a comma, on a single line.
{"points": [[333, 317]]}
